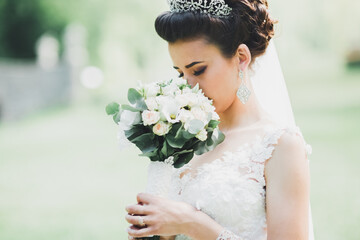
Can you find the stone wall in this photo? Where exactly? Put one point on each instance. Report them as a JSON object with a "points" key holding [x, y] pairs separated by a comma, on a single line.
{"points": [[25, 88]]}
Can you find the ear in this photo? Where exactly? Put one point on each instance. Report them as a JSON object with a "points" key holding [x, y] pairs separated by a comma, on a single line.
{"points": [[244, 56]]}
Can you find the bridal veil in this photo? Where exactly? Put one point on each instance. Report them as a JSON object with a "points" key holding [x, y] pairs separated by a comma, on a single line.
{"points": [[270, 88]]}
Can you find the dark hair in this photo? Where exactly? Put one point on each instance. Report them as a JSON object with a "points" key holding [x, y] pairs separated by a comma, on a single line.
{"points": [[248, 23]]}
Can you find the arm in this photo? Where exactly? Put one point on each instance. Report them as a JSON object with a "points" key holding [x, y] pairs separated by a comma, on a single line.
{"points": [[287, 190]]}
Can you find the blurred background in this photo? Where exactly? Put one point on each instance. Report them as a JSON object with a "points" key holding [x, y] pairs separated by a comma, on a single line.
{"points": [[62, 175]]}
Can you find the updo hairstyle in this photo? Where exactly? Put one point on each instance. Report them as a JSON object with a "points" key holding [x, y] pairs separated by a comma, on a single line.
{"points": [[248, 23]]}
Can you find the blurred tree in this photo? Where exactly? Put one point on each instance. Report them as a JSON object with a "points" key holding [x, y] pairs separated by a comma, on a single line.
{"points": [[22, 22]]}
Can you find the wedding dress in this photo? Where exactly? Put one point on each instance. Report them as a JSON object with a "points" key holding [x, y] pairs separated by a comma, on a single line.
{"points": [[232, 189]]}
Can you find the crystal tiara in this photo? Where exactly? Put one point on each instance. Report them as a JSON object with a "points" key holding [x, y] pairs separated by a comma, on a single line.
{"points": [[216, 8]]}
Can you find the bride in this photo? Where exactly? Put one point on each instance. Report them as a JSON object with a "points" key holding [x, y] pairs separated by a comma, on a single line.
{"points": [[255, 185]]}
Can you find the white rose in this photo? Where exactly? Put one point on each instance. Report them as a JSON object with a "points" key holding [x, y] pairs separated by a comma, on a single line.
{"points": [[187, 90], [185, 116], [202, 135], [207, 107], [162, 101], [170, 90], [215, 116], [179, 81], [151, 90], [193, 99], [152, 104], [199, 114], [182, 100], [150, 117], [161, 128]]}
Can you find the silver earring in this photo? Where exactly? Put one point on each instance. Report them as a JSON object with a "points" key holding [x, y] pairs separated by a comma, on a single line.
{"points": [[243, 93]]}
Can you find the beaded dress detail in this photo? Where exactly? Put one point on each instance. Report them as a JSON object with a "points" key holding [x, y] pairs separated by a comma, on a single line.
{"points": [[231, 189]]}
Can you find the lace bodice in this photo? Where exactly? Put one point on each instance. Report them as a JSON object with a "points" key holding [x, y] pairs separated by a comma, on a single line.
{"points": [[231, 189]]}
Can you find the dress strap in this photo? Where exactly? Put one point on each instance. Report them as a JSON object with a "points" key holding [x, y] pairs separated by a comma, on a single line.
{"points": [[271, 139]]}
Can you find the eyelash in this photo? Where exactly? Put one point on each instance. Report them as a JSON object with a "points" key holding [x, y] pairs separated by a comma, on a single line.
{"points": [[195, 73]]}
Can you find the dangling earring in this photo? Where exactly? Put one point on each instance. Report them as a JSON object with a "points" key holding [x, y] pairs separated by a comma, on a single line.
{"points": [[243, 92]]}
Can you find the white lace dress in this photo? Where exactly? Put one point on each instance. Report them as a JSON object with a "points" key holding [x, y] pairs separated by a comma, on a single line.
{"points": [[231, 189]]}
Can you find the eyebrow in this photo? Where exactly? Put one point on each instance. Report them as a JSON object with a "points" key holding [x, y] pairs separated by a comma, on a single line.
{"points": [[190, 65]]}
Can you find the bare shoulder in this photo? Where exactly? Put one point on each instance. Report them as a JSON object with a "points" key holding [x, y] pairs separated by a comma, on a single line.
{"points": [[289, 161]]}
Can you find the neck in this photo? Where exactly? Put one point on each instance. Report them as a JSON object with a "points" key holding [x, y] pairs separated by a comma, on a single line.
{"points": [[240, 115]]}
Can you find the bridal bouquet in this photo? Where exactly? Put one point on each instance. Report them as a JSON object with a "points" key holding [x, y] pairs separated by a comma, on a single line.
{"points": [[168, 121]]}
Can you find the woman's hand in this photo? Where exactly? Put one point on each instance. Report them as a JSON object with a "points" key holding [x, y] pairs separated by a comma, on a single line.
{"points": [[161, 216]]}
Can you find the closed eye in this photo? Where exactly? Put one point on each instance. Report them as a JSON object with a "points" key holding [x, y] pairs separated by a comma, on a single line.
{"points": [[196, 73]]}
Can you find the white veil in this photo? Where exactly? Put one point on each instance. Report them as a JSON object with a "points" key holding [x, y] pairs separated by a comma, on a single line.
{"points": [[270, 88]]}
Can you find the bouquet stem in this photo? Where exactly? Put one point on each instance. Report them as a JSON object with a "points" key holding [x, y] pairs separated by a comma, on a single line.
{"points": [[159, 176]]}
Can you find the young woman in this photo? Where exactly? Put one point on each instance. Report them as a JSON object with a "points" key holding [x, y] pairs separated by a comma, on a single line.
{"points": [[255, 185]]}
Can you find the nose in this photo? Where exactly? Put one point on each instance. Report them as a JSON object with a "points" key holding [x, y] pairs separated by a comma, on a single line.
{"points": [[191, 81]]}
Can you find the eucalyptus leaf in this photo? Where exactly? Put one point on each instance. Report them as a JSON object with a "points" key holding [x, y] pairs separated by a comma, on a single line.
{"points": [[116, 117], [112, 108], [195, 126], [134, 96], [140, 104], [220, 138], [130, 108]]}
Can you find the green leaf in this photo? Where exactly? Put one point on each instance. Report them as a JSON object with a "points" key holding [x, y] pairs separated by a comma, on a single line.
{"points": [[187, 135], [136, 131], [220, 138], [134, 96], [145, 142], [200, 148], [210, 140], [184, 159], [112, 108], [116, 117], [178, 132], [150, 154], [129, 108], [213, 124], [175, 142], [195, 126], [140, 104], [164, 149]]}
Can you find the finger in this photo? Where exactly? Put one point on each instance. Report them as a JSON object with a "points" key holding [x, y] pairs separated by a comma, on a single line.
{"points": [[138, 209], [136, 221], [145, 198], [141, 232]]}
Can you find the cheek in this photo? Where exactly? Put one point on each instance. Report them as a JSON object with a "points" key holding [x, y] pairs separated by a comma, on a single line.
{"points": [[221, 88]]}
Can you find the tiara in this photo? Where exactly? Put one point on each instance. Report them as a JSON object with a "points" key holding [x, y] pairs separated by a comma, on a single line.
{"points": [[216, 8]]}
